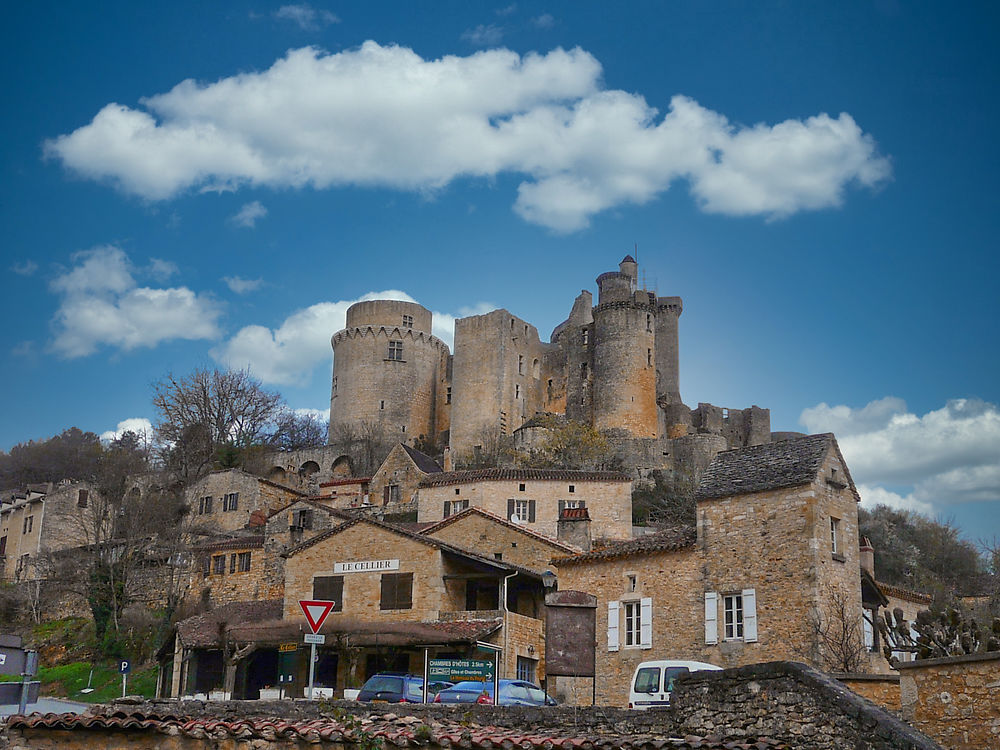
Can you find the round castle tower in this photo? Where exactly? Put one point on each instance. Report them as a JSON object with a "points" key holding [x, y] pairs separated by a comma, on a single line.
{"points": [[624, 354], [386, 367]]}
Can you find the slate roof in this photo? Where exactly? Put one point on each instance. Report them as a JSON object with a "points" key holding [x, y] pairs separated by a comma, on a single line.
{"points": [[425, 463], [497, 475], [203, 630], [389, 730], [668, 540], [771, 466], [432, 527]]}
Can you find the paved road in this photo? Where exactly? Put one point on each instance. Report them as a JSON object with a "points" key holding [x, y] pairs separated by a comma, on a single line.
{"points": [[47, 705]]}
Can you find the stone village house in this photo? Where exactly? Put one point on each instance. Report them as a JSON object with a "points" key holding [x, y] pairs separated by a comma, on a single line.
{"points": [[775, 548], [397, 593]]}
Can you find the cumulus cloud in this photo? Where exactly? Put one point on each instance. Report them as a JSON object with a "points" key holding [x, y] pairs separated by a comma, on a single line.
{"points": [[25, 268], [139, 425], [946, 456], [242, 286], [162, 269], [290, 353], [248, 215], [307, 17], [102, 304], [322, 415], [333, 120]]}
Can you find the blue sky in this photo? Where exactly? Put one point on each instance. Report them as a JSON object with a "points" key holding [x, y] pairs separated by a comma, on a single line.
{"points": [[196, 185]]}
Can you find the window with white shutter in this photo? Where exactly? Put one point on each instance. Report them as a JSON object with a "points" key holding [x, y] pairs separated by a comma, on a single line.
{"points": [[750, 615], [646, 625], [711, 618], [613, 626]]}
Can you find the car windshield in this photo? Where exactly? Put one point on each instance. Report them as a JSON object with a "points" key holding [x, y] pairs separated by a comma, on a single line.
{"points": [[647, 680], [380, 684]]}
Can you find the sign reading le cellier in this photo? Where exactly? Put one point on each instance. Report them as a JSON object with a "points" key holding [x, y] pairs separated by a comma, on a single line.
{"points": [[365, 566]]}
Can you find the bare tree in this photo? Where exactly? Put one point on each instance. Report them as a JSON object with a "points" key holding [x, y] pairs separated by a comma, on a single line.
{"points": [[366, 443], [838, 633], [206, 411], [294, 430]]}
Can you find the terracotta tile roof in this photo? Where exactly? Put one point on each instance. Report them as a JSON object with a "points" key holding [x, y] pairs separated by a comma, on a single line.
{"points": [[203, 630], [315, 501], [668, 540], [390, 729], [425, 463], [771, 466], [500, 475], [575, 513], [432, 527], [340, 482], [243, 542], [901, 593], [422, 538]]}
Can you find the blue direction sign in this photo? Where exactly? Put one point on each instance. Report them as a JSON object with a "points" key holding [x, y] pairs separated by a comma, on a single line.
{"points": [[124, 666], [457, 670]]}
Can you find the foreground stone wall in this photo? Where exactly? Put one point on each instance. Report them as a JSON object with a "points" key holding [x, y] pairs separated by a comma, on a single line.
{"points": [[787, 702], [956, 700]]}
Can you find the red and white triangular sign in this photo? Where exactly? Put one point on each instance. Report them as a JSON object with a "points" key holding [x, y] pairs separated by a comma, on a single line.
{"points": [[316, 612]]}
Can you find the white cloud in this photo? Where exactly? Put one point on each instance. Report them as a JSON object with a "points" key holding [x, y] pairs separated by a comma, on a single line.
{"points": [[242, 286], [102, 304], [162, 269], [947, 456], [506, 10], [26, 268], [322, 415], [544, 21], [332, 120], [248, 215], [307, 17], [290, 353], [484, 35], [139, 425]]}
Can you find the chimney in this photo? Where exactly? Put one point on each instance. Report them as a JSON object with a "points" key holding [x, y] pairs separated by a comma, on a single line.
{"points": [[574, 527], [447, 459], [867, 556]]}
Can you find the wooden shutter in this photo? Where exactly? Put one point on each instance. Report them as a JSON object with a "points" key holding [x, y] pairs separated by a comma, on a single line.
{"points": [[404, 591], [385, 495], [646, 622], [531, 511], [330, 589], [562, 507], [613, 626], [206, 565], [750, 615], [510, 509], [232, 563], [711, 618], [447, 509]]}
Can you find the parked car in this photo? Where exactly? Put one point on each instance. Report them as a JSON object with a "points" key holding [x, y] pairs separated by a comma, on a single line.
{"points": [[398, 687], [512, 693], [653, 681]]}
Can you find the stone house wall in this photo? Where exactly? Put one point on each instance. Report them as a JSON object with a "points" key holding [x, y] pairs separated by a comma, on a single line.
{"points": [[955, 700], [672, 581], [253, 493], [362, 592], [264, 580], [609, 502], [397, 470], [493, 537], [880, 689], [778, 543]]}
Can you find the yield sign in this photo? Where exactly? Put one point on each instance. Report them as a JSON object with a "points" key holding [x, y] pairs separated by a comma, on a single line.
{"points": [[316, 612]]}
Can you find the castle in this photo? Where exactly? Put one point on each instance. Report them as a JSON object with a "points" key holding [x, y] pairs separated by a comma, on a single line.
{"points": [[613, 366]]}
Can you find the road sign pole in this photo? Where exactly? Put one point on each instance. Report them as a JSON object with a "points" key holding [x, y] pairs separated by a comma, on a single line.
{"points": [[124, 679], [312, 669], [426, 667]]}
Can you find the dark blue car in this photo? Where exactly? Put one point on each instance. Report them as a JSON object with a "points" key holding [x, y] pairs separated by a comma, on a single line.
{"points": [[512, 693], [398, 687]]}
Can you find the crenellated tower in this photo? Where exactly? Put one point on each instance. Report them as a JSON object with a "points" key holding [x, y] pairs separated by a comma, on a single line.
{"points": [[389, 373]]}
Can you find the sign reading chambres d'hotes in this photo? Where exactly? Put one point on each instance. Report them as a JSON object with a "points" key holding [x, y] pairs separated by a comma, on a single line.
{"points": [[365, 566]]}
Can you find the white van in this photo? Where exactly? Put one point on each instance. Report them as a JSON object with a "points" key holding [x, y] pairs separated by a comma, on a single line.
{"points": [[654, 680]]}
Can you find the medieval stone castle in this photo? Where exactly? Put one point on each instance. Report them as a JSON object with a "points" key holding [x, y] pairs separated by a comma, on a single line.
{"points": [[613, 366]]}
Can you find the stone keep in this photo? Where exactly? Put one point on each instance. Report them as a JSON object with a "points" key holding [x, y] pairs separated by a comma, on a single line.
{"points": [[389, 372]]}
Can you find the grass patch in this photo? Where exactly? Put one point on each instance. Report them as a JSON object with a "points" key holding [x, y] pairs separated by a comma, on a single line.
{"points": [[68, 680]]}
